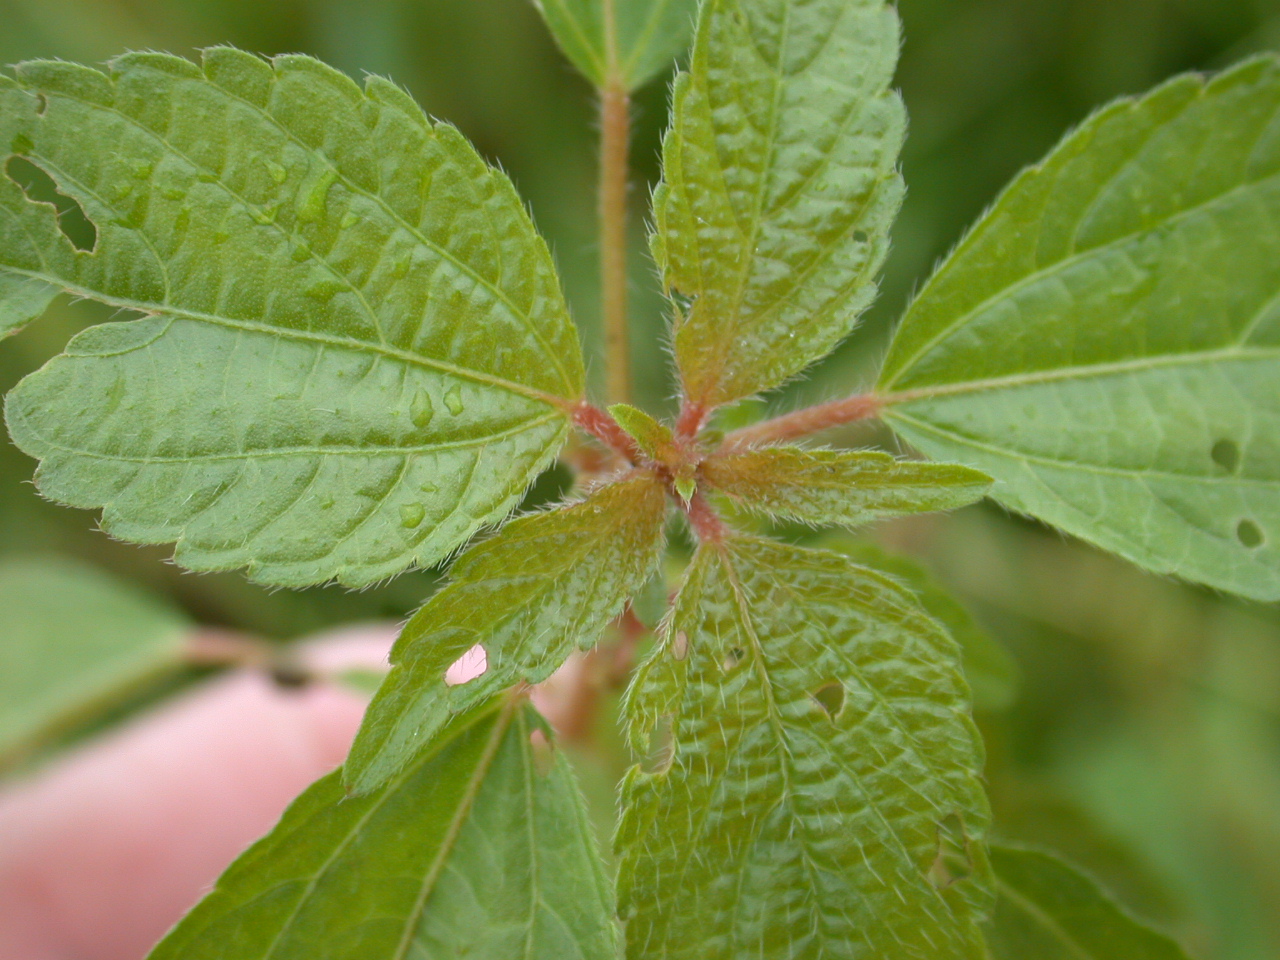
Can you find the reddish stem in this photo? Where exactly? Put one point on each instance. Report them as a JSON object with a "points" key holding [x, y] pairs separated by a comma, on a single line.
{"points": [[804, 422], [604, 428], [691, 419], [705, 521]]}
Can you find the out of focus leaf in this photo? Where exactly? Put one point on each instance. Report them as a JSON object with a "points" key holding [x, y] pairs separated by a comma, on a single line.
{"points": [[811, 762], [1106, 343], [627, 41], [73, 642], [355, 353], [840, 487], [542, 587], [22, 299], [779, 186], [990, 670], [479, 848], [1047, 910]]}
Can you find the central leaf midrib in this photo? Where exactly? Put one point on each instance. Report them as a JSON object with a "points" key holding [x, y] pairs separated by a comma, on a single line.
{"points": [[292, 333]]}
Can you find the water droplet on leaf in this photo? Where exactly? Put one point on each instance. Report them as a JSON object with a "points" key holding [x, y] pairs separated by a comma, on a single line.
{"points": [[412, 514], [453, 400], [421, 409]]}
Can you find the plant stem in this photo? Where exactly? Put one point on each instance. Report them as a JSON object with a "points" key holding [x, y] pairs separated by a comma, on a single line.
{"points": [[804, 422], [593, 420], [615, 145]]}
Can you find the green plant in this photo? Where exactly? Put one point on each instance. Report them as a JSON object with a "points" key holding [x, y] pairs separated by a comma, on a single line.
{"points": [[353, 355]]}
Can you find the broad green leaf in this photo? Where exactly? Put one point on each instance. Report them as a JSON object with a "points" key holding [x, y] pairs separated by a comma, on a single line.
{"points": [[820, 760], [779, 186], [542, 587], [1049, 911], [626, 41], [73, 642], [1106, 343], [840, 487], [480, 848], [355, 352], [990, 670], [22, 299]]}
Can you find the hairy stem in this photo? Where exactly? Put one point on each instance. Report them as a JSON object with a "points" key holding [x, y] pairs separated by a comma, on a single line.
{"points": [[615, 143], [593, 420], [802, 423]]}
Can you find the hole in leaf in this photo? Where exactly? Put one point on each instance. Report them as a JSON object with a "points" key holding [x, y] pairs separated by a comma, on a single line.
{"points": [[861, 236], [42, 104], [662, 746], [544, 754], [1226, 454], [467, 667], [40, 188], [954, 861], [733, 658], [830, 697], [680, 645], [1249, 534]]}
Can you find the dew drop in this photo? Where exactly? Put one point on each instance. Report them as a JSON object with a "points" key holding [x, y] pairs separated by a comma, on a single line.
{"points": [[311, 206], [266, 215], [349, 220], [299, 253], [429, 488], [278, 172], [412, 515], [421, 409], [453, 400]]}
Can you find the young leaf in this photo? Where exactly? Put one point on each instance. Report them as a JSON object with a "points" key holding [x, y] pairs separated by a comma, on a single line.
{"points": [[992, 673], [477, 849], [779, 186], [1106, 343], [653, 438], [1049, 911], [821, 761], [22, 299], [542, 587], [625, 41], [355, 352], [73, 642], [840, 487]]}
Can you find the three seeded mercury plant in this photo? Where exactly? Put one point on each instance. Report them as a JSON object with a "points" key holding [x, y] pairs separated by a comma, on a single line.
{"points": [[351, 355]]}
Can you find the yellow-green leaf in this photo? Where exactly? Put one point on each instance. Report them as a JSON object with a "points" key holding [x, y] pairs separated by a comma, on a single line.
{"points": [[627, 41]]}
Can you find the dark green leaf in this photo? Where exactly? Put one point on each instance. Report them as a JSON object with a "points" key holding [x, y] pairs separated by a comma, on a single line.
{"points": [[1106, 343], [840, 487], [644, 38], [779, 186], [811, 762], [22, 299], [1049, 911], [480, 848], [542, 587], [990, 670], [355, 352], [73, 642]]}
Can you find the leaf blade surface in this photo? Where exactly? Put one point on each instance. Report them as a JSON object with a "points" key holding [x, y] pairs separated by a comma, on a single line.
{"points": [[354, 352], [433, 864], [1105, 342], [542, 587], [22, 300], [647, 36], [779, 186], [781, 823]]}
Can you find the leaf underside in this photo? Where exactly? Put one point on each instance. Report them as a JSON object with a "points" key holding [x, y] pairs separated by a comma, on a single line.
{"points": [[543, 586], [73, 642], [437, 863], [649, 35], [840, 487], [779, 186], [354, 349], [22, 299], [1049, 911], [990, 669], [1106, 343], [782, 821]]}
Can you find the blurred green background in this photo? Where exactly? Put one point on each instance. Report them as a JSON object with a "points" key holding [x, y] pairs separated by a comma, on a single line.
{"points": [[1145, 742]]}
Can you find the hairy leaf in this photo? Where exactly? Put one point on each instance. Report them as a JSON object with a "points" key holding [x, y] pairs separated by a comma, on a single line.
{"points": [[779, 186], [820, 761], [73, 643], [1049, 911], [840, 487], [627, 41], [990, 670], [542, 587], [355, 352], [652, 437], [478, 849], [22, 299], [1106, 343]]}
